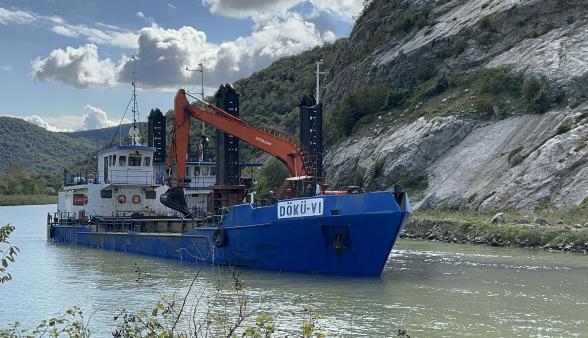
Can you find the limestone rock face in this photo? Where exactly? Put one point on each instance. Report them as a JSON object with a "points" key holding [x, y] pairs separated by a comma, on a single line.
{"points": [[518, 162], [469, 164]]}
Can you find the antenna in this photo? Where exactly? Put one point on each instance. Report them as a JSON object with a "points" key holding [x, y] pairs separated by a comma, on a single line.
{"points": [[201, 70], [318, 73], [134, 132]]}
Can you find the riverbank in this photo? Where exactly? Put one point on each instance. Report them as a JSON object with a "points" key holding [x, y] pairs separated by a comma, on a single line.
{"points": [[459, 228], [11, 200]]}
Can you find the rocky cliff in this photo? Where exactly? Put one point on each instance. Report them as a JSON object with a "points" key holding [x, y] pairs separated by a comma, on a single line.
{"points": [[444, 148]]}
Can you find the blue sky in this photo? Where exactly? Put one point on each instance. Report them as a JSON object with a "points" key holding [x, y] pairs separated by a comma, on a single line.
{"points": [[66, 65]]}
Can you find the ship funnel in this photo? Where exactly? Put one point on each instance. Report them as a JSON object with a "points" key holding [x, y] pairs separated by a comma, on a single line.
{"points": [[174, 199]]}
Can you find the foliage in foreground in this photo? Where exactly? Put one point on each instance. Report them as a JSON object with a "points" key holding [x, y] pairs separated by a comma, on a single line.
{"points": [[7, 252], [198, 314]]}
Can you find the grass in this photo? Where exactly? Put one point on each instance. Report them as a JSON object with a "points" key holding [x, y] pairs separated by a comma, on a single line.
{"points": [[467, 226], [27, 199]]}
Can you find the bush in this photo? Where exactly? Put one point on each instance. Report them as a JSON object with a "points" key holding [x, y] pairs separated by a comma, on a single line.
{"points": [[563, 128], [425, 71], [360, 103], [498, 81], [458, 46]]}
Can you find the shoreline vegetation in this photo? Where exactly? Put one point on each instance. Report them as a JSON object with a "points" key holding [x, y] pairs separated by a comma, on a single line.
{"points": [[37, 199], [557, 230]]}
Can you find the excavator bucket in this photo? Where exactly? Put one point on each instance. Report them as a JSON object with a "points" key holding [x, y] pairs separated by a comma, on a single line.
{"points": [[174, 199]]}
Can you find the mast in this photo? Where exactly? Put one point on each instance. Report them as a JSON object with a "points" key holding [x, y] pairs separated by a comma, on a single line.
{"points": [[318, 81], [134, 108]]}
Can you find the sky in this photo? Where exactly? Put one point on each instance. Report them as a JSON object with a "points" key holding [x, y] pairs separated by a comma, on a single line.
{"points": [[68, 65]]}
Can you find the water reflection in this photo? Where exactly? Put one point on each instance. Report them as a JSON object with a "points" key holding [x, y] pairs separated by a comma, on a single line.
{"points": [[427, 288]]}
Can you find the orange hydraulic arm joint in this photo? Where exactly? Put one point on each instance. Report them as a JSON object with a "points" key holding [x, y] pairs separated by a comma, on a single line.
{"points": [[285, 150]]}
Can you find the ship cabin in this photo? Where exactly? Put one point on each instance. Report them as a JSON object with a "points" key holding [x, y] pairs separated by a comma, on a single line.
{"points": [[126, 165]]}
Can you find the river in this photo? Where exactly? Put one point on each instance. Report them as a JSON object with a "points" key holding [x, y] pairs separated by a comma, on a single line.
{"points": [[427, 288]]}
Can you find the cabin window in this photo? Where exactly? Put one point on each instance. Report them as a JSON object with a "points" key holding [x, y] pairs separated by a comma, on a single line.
{"points": [[113, 160], [122, 161], [197, 171], [105, 161], [213, 170], [147, 161], [187, 171], [134, 161]]}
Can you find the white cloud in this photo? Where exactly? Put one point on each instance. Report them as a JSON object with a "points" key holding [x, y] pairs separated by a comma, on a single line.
{"points": [[346, 10], [65, 31], [15, 16], [96, 118], [249, 8], [91, 118], [37, 120], [105, 35], [80, 67], [172, 6], [163, 54], [8, 69], [111, 36]]}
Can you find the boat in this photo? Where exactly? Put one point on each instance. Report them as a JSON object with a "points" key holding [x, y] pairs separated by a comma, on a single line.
{"points": [[141, 200]]}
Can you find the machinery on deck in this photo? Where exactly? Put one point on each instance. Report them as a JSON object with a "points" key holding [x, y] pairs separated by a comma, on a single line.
{"points": [[299, 163]]}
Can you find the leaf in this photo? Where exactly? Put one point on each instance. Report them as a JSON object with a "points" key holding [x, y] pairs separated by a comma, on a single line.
{"points": [[4, 263]]}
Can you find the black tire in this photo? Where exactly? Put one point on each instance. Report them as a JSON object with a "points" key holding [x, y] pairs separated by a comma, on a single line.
{"points": [[219, 238]]}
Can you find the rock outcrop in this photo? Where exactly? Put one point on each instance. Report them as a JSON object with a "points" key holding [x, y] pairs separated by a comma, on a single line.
{"points": [[522, 161]]}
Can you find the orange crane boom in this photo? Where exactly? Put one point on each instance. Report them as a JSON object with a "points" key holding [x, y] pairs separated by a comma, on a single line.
{"points": [[283, 149]]}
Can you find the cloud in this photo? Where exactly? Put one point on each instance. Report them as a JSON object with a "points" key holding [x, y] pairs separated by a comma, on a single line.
{"points": [[37, 120], [162, 54], [8, 69], [96, 118], [172, 6], [105, 35], [91, 118], [79, 67], [111, 35], [249, 8], [15, 16], [345, 10]]}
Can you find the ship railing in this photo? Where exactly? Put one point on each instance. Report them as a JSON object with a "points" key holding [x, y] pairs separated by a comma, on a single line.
{"points": [[115, 223], [62, 218], [131, 177], [79, 177]]}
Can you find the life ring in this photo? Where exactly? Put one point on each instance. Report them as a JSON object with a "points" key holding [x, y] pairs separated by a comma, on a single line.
{"points": [[219, 238], [122, 199], [136, 199]]}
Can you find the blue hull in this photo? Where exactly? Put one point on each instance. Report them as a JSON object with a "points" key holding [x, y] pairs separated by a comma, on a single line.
{"points": [[353, 235]]}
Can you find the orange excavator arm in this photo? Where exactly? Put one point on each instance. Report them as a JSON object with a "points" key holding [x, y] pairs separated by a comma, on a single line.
{"points": [[283, 149]]}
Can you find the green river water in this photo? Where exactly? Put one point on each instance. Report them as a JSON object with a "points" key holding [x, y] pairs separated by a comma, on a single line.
{"points": [[430, 289]]}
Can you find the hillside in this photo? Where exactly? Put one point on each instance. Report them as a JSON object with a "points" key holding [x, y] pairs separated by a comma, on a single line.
{"points": [[34, 148], [105, 136], [485, 103]]}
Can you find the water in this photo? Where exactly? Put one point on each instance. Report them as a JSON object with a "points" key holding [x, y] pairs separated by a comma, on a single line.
{"points": [[427, 288]]}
